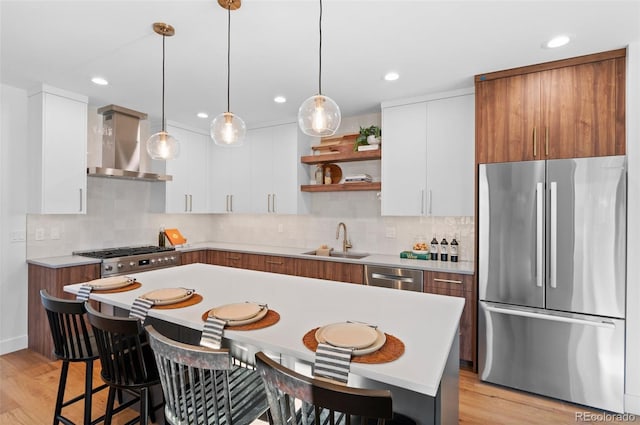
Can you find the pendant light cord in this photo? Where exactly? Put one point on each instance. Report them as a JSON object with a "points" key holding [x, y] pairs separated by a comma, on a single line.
{"points": [[228, 52], [320, 52], [163, 123]]}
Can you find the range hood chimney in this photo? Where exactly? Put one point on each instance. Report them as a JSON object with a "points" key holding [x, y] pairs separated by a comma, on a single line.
{"points": [[121, 146]]}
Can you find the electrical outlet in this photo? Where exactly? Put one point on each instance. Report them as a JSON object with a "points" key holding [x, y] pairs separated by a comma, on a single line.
{"points": [[17, 236], [390, 232], [55, 233], [39, 234], [280, 228]]}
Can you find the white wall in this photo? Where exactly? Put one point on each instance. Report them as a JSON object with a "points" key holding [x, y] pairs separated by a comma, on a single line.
{"points": [[13, 190], [632, 399]]}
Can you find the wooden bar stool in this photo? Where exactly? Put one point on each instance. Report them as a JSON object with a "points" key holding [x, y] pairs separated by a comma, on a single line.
{"points": [[73, 342]]}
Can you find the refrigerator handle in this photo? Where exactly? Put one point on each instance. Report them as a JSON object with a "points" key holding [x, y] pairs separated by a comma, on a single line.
{"points": [[553, 248], [539, 233], [524, 313]]}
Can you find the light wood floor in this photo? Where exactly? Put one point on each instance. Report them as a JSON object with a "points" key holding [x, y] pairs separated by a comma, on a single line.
{"points": [[28, 385]]}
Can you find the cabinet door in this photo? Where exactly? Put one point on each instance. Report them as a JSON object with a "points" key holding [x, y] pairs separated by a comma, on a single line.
{"points": [[262, 158], [219, 180], [457, 285], [403, 162], [286, 164], [59, 140], [450, 156], [580, 110], [507, 119], [189, 190], [330, 270], [282, 265], [193, 257]]}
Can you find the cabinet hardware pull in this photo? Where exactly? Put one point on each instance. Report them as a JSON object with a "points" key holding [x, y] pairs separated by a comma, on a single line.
{"points": [[186, 202], [191, 203], [234, 258], [422, 201], [430, 202], [273, 203], [546, 141], [231, 202], [535, 143], [458, 282], [279, 263], [269, 203], [80, 199]]}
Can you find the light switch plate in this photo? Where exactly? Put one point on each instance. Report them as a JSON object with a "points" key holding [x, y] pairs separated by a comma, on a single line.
{"points": [[55, 233], [39, 234]]}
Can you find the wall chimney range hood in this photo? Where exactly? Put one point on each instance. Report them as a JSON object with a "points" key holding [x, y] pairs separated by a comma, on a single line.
{"points": [[121, 146]]}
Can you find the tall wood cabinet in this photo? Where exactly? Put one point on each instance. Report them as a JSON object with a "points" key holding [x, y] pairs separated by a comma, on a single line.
{"points": [[564, 109]]}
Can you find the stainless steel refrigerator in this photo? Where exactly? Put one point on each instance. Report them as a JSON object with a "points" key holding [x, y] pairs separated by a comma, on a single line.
{"points": [[551, 273]]}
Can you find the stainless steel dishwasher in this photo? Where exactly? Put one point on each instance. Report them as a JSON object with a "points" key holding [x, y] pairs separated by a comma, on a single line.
{"points": [[394, 277]]}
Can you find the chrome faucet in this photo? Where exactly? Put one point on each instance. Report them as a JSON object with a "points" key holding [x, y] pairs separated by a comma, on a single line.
{"points": [[345, 242]]}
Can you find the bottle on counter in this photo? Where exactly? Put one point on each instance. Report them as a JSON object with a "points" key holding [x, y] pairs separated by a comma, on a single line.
{"points": [[434, 248], [444, 250], [454, 250], [327, 175], [161, 236]]}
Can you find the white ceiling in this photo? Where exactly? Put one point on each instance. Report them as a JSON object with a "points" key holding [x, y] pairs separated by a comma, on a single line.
{"points": [[434, 45]]}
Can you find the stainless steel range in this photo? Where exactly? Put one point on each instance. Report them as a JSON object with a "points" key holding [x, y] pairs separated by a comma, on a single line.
{"points": [[118, 261]]}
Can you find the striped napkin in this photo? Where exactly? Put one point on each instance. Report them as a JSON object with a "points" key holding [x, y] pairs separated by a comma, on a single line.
{"points": [[212, 333], [332, 362], [83, 293], [140, 308]]}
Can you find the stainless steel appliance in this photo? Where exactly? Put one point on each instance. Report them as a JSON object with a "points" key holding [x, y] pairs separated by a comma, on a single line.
{"points": [[119, 261], [393, 277], [551, 272]]}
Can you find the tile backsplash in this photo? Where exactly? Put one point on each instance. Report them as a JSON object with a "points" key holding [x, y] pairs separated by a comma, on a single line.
{"points": [[117, 215]]}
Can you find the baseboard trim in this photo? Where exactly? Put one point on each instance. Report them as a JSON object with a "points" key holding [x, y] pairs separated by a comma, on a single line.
{"points": [[13, 344]]}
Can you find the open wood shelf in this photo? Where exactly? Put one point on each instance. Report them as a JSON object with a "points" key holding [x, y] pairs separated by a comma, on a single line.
{"points": [[342, 157], [344, 187]]}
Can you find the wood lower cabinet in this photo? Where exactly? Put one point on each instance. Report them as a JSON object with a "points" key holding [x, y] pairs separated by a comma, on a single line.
{"points": [[570, 108], [239, 260], [330, 270], [53, 280], [190, 257], [458, 285]]}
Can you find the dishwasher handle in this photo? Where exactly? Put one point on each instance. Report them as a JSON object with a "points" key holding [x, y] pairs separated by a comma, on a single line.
{"points": [[391, 277]]}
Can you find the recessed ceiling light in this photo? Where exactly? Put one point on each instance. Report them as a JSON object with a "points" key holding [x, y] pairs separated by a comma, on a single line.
{"points": [[280, 99], [391, 76], [203, 115], [558, 41], [99, 81]]}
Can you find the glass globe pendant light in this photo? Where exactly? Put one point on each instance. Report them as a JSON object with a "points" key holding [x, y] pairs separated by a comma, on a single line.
{"points": [[162, 145], [228, 129], [319, 115]]}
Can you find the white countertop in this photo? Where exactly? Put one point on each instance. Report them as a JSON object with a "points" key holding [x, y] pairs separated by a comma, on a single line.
{"points": [[426, 323], [463, 267]]}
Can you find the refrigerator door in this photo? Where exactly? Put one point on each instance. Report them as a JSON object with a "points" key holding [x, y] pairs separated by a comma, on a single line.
{"points": [[511, 233], [572, 357], [586, 239]]}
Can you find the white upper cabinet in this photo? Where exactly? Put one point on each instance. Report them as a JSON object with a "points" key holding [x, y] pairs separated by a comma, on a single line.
{"points": [[57, 152], [275, 163], [428, 159], [230, 178], [189, 190]]}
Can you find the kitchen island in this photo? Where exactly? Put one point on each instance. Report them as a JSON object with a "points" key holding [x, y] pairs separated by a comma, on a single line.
{"points": [[423, 381]]}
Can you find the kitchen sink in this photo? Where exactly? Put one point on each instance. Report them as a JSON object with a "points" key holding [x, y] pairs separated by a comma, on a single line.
{"points": [[340, 254]]}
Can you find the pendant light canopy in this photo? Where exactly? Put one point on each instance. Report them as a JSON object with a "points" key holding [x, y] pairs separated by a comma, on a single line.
{"points": [[162, 145], [228, 129], [319, 115]]}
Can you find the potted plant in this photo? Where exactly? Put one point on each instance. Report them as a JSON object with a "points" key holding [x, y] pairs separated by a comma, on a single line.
{"points": [[368, 136]]}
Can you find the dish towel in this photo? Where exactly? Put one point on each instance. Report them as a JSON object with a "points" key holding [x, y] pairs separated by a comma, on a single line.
{"points": [[140, 308], [332, 362], [212, 333], [83, 293]]}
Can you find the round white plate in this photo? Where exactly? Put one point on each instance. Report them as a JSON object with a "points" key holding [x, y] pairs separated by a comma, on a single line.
{"points": [[113, 282], [261, 313], [377, 344], [237, 311], [166, 296]]}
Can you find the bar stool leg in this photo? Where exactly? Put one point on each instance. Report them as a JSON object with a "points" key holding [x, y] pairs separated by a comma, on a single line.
{"points": [[144, 406], [88, 391], [110, 400], [61, 387]]}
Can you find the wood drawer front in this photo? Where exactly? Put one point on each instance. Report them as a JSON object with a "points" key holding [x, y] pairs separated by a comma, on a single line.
{"points": [[463, 282], [330, 270], [282, 265], [193, 257]]}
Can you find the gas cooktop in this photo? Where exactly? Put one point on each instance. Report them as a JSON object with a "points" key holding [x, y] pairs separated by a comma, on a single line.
{"points": [[124, 251]]}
